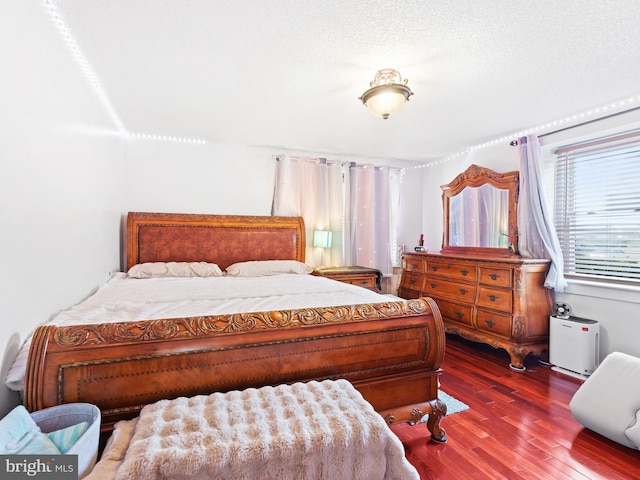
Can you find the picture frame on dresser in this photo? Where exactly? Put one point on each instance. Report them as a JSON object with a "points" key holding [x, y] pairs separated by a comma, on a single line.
{"points": [[485, 291]]}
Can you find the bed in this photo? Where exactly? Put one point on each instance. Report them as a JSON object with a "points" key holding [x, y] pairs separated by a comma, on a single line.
{"points": [[390, 351]]}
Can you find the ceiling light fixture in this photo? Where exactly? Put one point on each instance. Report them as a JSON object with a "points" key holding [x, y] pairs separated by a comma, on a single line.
{"points": [[387, 94]]}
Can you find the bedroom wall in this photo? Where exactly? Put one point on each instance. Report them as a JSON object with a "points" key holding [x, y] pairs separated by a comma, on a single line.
{"points": [[60, 168], [614, 307], [230, 179], [198, 178]]}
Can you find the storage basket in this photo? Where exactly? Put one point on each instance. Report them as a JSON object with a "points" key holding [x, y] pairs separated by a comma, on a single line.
{"points": [[63, 416]]}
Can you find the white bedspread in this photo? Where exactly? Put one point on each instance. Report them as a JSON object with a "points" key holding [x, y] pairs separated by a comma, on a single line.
{"points": [[314, 430], [124, 299]]}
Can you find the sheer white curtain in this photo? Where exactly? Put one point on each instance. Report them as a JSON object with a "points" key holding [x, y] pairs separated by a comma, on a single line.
{"points": [[373, 206], [357, 203], [313, 188], [537, 234]]}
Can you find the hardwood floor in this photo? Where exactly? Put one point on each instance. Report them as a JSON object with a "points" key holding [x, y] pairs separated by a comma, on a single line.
{"points": [[518, 425]]}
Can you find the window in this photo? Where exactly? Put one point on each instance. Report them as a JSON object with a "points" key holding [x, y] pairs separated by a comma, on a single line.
{"points": [[597, 208]]}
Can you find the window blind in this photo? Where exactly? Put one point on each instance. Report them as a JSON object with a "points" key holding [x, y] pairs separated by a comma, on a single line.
{"points": [[597, 207]]}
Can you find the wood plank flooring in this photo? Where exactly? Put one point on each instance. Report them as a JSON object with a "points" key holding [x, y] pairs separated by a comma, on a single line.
{"points": [[518, 426]]}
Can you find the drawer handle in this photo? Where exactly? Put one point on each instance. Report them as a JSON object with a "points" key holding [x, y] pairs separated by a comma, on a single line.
{"points": [[464, 272], [459, 314], [412, 281], [463, 291], [434, 268], [494, 276], [414, 265], [490, 323], [434, 285], [363, 282], [492, 297]]}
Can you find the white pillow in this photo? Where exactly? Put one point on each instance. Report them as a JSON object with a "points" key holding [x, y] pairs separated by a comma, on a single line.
{"points": [[175, 269], [260, 268]]}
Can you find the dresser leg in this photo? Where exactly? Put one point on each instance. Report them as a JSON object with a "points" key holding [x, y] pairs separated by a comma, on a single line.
{"points": [[517, 354]]}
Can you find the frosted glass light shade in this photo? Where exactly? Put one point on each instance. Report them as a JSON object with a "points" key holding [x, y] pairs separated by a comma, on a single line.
{"points": [[322, 238], [387, 94]]}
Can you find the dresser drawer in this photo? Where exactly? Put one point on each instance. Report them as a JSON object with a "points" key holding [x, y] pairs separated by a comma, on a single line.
{"points": [[354, 275], [460, 292], [455, 312], [495, 299], [410, 285], [413, 264], [497, 277], [412, 281], [456, 271], [408, 293], [495, 323], [360, 280]]}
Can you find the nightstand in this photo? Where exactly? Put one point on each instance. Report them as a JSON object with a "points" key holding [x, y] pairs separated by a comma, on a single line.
{"points": [[369, 278]]}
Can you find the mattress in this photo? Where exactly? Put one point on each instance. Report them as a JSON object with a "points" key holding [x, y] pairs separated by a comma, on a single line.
{"points": [[126, 299]]}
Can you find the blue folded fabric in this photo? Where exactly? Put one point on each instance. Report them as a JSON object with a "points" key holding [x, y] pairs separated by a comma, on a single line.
{"points": [[65, 438], [19, 434]]}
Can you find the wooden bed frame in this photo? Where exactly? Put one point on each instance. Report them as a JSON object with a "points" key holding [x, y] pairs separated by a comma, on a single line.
{"points": [[391, 352]]}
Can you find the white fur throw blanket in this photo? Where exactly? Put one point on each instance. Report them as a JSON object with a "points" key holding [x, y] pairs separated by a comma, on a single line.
{"points": [[314, 430]]}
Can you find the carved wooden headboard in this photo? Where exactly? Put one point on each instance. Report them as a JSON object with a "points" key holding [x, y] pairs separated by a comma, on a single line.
{"points": [[221, 239]]}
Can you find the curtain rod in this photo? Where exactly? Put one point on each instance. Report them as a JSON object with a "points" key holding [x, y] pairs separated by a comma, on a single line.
{"points": [[344, 163], [612, 115], [600, 141]]}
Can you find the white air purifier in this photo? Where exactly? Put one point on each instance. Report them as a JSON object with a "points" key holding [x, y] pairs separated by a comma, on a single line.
{"points": [[574, 343]]}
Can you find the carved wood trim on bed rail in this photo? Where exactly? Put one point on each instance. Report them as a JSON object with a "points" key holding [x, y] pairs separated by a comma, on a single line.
{"points": [[163, 329], [220, 239], [121, 367]]}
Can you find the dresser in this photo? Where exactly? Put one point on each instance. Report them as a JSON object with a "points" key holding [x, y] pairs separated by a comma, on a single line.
{"points": [[498, 301], [368, 278]]}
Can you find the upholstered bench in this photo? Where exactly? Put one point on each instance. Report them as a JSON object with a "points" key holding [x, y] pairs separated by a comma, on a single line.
{"points": [[608, 402], [304, 430]]}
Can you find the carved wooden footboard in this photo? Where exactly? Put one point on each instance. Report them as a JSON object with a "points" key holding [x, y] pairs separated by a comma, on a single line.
{"points": [[391, 352]]}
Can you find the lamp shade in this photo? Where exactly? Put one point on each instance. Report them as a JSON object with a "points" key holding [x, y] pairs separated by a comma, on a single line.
{"points": [[322, 238], [387, 94]]}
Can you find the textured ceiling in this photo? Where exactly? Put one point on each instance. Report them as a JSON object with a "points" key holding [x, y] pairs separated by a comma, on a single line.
{"points": [[288, 73]]}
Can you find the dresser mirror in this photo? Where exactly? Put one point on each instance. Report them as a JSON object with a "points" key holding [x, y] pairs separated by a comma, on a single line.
{"points": [[480, 213]]}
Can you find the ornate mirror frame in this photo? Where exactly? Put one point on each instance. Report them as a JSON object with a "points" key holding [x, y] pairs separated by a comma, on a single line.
{"points": [[475, 177]]}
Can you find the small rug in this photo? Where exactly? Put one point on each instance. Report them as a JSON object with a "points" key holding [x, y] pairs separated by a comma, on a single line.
{"points": [[453, 405]]}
